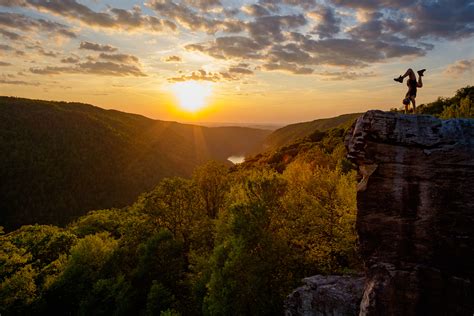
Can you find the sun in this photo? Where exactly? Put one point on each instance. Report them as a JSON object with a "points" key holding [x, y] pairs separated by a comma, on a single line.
{"points": [[192, 95]]}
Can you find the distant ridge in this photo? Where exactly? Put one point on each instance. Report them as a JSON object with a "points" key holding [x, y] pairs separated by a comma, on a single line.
{"points": [[290, 133], [267, 126], [60, 160]]}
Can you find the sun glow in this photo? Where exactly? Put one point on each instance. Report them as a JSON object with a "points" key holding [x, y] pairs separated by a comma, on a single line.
{"points": [[192, 95]]}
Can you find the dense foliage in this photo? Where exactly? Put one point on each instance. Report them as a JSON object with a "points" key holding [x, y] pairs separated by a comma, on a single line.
{"points": [[60, 160], [225, 242]]}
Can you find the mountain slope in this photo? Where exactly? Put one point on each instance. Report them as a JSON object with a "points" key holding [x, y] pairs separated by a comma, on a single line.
{"points": [[290, 133], [61, 159]]}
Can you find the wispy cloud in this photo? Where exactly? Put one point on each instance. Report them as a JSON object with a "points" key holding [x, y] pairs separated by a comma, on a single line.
{"points": [[460, 67], [113, 18], [97, 47], [172, 59], [24, 23]]}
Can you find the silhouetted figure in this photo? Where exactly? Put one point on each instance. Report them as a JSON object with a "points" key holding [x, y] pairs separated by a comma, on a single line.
{"points": [[413, 85]]}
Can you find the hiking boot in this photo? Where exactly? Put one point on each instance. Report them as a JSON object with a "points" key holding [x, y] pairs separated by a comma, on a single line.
{"points": [[420, 72], [399, 79]]}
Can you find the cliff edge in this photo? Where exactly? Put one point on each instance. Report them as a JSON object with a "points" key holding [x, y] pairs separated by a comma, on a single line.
{"points": [[415, 213]]}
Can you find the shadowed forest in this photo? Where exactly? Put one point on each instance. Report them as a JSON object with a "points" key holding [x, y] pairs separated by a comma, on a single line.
{"points": [[226, 240]]}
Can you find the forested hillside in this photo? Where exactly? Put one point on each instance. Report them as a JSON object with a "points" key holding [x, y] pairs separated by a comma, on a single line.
{"points": [[290, 133], [228, 241], [60, 159]]}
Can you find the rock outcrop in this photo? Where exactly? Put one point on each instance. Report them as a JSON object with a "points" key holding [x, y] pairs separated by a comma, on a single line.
{"points": [[415, 213], [326, 295]]}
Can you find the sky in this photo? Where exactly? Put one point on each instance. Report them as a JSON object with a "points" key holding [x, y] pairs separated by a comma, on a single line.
{"points": [[264, 61]]}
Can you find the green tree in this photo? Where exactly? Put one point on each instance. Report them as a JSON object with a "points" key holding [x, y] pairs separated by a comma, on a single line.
{"points": [[19, 290], [161, 271], [85, 265], [249, 272], [174, 205], [318, 217], [212, 185], [465, 109]]}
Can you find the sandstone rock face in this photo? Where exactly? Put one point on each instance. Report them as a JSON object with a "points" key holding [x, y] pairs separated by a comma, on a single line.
{"points": [[326, 296], [415, 213]]}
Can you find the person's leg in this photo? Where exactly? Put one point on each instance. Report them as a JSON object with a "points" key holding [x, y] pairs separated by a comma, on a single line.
{"points": [[419, 84], [413, 102], [409, 73], [406, 102]]}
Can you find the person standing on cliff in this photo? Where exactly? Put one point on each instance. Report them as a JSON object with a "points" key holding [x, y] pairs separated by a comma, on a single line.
{"points": [[413, 85]]}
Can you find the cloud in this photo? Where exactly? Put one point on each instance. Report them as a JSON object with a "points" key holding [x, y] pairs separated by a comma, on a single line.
{"points": [[306, 4], [267, 30], [345, 75], [354, 52], [415, 20], [10, 35], [120, 58], [234, 73], [255, 10], [18, 82], [46, 53], [290, 53], [172, 59], [194, 19], [200, 75], [97, 47], [240, 69], [227, 47], [275, 5], [205, 4], [9, 49], [92, 67], [111, 69], [4, 47], [288, 67], [38, 48], [294, 36], [70, 60], [373, 4], [2, 63], [443, 19], [328, 21], [25, 23], [460, 67], [113, 18]]}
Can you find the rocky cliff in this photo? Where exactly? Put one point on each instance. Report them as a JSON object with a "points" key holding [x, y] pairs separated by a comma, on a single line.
{"points": [[415, 213]]}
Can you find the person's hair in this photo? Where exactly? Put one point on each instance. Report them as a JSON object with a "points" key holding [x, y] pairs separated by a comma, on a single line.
{"points": [[406, 101]]}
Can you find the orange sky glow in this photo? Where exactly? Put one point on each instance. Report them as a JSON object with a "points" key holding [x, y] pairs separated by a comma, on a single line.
{"points": [[233, 61]]}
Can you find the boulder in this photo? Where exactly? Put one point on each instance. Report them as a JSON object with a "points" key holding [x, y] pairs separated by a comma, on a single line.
{"points": [[326, 296]]}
